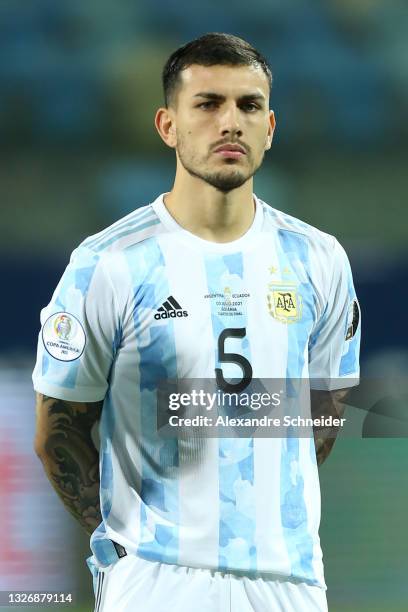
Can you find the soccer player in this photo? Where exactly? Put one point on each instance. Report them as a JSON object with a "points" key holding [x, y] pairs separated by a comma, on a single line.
{"points": [[206, 282]]}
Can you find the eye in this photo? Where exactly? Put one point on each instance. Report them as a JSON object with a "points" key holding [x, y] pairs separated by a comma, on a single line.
{"points": [[207, 105], [250, 107]]}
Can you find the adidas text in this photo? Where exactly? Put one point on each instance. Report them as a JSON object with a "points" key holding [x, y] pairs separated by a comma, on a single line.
{"points": [[171, 315]]}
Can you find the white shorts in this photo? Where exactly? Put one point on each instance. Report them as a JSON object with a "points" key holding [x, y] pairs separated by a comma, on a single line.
{"points": [[133, 584]]}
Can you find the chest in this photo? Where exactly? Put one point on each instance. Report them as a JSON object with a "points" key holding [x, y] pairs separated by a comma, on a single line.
{"points": [[194, 314]]}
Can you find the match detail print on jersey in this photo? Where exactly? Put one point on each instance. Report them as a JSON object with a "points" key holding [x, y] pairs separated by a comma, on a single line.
{"points": [[63, 336]]}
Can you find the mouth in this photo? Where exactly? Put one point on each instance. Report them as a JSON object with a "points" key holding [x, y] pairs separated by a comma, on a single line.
{"points": [[230, 151]]}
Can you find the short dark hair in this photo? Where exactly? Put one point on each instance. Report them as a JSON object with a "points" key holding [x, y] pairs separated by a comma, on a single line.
{"points": [[209, 50]]}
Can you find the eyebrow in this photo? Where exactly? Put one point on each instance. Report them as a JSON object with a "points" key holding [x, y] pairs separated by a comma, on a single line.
{"points": [[208, 95]]}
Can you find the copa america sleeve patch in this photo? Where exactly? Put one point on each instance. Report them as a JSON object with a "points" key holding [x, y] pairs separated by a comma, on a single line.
{"points": [[353, 319], [63, 336]]}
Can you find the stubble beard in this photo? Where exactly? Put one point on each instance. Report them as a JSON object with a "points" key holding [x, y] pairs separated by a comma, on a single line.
{"points": [[222, 180]]}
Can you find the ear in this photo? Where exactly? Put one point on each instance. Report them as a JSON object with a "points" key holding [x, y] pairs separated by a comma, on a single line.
{"points": [[165, 125], [271, 129]]}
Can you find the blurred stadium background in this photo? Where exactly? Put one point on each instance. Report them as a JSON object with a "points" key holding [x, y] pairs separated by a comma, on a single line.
{"points": [[79, 84]]}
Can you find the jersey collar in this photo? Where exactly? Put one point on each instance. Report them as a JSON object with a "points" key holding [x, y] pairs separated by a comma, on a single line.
{"points": [[242, 243]]}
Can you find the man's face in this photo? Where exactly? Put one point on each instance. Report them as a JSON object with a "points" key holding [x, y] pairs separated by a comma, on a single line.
{"points": [[222, 123]]}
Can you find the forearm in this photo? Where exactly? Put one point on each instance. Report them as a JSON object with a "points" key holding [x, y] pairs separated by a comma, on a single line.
{"points": [[326, 403], [71, 460], [323, 448]]}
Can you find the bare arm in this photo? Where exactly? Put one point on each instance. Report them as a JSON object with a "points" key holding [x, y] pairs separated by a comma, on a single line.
{"points": [[326, 403], [64, 444]]}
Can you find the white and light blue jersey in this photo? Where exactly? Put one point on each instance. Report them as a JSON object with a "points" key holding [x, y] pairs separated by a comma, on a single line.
{"points": [[145, 301]]}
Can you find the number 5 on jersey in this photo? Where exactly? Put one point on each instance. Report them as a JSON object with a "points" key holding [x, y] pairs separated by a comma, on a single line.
{"points": [[223, 357]]}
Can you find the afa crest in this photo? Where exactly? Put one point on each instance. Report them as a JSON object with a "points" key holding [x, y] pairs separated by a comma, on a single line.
{"points": [[284, 302]]}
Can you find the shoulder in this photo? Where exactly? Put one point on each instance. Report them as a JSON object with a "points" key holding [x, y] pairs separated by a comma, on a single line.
{"points": [[135, 228], [296, 234], [109, 259], [103, 263]]}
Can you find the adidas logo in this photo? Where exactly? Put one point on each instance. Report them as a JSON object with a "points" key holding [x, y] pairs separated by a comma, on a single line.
{"points": [[170, 309]]}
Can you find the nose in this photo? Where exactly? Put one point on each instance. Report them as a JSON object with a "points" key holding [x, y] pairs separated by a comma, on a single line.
{"points": [[230, 121]]}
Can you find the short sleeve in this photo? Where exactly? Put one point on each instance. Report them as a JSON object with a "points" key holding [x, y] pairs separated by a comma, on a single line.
{"points": [[334, 345], [79, 332]]}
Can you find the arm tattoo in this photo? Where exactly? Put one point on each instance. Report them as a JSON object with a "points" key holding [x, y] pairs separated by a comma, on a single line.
{"points": [[326, 403], [70, 458]]}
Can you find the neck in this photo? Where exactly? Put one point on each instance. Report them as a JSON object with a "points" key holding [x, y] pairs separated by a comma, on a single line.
{"points": [[208, 213]]}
